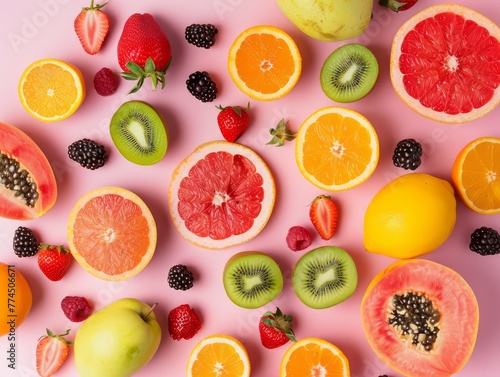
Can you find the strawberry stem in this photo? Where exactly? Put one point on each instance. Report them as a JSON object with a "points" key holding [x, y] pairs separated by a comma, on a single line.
{"points": [[139, 74]]}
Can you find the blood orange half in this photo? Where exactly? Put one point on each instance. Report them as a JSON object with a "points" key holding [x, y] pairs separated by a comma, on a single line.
{"points": [[444, 63], [221, 195], [112, 233]]}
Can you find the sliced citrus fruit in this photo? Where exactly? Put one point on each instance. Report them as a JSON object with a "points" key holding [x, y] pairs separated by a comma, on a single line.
{"points": [[51, 90], [221, 195], [112, 233], [444, 63], [476, 175], [218, 355], [264, 62], [336, 148], [314, 357]]}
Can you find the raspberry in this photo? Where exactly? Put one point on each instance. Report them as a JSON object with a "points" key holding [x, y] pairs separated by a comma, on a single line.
{"points": [[76, 308], [298, 238], [105, 82]]}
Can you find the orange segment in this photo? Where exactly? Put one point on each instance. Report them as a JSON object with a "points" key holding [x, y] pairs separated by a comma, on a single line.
{"points": [[218, 355], [314, 357], [476, 175], [112, 233], [51, 90], [264, 62], [336, 148]]}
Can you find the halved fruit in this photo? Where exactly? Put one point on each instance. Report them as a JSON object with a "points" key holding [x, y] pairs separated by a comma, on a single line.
{"points": [[421, 318], [28, 186], [112, 233], [221, 195], [444, 63]]}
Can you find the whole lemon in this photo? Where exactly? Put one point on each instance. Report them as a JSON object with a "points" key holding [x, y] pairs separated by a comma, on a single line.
{"points": [[16, 297], [410, 216]]}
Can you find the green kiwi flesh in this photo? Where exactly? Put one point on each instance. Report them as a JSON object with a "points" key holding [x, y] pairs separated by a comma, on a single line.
{"points": [[324, 277], [252, 279], [139, 133], [349, 73]]}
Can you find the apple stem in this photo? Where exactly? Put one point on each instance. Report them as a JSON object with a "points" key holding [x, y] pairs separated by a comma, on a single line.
{"points": [[152, 308]]}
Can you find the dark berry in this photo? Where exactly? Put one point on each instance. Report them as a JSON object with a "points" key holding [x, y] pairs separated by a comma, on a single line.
{"points": [[298, 238], [180, 278], [105, 82], [407, 154], [485, 241], [25, 242], [76, 308], [88, 153], [201, 35], [201, 86]]}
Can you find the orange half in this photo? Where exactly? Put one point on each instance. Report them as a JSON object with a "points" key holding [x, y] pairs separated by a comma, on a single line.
{"points": [[264, 62], [476, 175], [336, 148], [51, 90], [314, 357], [112, 233]]}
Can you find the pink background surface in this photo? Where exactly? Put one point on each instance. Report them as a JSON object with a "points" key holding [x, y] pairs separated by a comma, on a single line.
{"points": [[46, 30]]}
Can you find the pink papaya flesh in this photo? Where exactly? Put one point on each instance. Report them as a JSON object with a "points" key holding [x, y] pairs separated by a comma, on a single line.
{"points": [[28, 186], [436, 340]]}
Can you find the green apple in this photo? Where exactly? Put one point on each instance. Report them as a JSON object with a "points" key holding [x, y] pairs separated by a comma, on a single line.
{"points": [[117, 340], [329, 20]]}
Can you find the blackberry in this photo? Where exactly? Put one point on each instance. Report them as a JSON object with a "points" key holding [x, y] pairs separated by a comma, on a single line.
{"points": [[485, 241], [201, 86], [201, 35], [180, 278], [407, 154], [88, 153], [25, 243]]}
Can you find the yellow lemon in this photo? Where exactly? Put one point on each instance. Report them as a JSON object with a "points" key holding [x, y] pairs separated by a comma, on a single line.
{"points": [[410, 216]]}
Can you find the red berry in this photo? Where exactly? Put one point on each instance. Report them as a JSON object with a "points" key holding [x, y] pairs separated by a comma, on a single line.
{"points": [[76, 308], [105, 82], [298, 238], [183, 322]]}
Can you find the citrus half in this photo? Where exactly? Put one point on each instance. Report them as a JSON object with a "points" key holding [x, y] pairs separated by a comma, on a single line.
{"points": [[218, 355], [476, 175], [314, 357], [51, 90], [112, 233], [221, 195], [336, 148], [264, 62], [444, 63]]}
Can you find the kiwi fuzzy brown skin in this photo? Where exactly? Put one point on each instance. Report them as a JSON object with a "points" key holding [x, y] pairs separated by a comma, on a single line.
{"points": [[349, 73], [324, 277], [153, 127], [247, 259]]}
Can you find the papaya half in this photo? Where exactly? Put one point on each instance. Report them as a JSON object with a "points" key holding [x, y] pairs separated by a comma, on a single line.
{"points": [[421, 318], [28, 187]]}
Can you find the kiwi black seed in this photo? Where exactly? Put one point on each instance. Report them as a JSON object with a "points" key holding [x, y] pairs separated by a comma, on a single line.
{"points": [[349, 73], [139, 133], [252, 279], [324, 277]]}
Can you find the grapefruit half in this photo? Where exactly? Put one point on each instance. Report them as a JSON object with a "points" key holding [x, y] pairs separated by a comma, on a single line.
{"points": [[444, 63], [112, 233], [221, 195]]}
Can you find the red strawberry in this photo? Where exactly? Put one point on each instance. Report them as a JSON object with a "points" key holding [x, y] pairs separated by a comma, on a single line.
{"points": [[324, 215], [54, 261], [233, 121], [275, 329], [143, 51], [51, 353], [91, 26], [183, 322], [396, 5]]}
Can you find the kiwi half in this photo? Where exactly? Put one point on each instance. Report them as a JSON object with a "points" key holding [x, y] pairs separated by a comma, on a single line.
{"points": [[349, 73], [252, 279], [324, 277], [139, 133]]}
